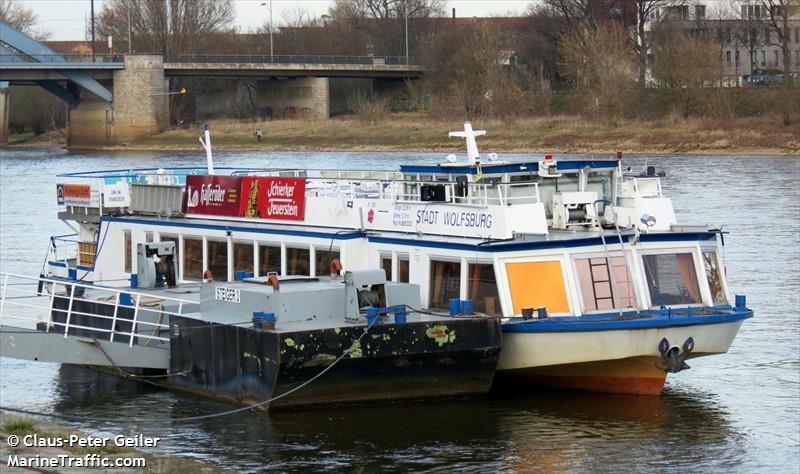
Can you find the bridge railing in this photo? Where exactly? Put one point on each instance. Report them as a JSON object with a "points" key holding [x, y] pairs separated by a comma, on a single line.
{"points": [[290, 59], [60, 58]]}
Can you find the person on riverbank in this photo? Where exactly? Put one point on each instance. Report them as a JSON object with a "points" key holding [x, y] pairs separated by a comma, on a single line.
{"points": [[259, 135]]}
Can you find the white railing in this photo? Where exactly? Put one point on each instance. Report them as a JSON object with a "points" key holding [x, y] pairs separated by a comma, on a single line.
{"points": [[398, 190], [70, 251], [50, 305]]}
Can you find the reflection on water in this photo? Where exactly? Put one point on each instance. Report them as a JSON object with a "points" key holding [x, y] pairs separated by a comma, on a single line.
{"points": [[737, 412], [557, 430]]}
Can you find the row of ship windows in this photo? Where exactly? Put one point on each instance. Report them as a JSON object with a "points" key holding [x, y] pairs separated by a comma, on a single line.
{"points": [[603, 283]]}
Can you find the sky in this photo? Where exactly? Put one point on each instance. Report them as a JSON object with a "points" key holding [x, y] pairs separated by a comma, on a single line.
{"points": [[66, 19]]}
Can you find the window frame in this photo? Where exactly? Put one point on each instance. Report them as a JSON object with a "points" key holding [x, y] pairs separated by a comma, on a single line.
{"points": [[699, 274], [632, 274]]}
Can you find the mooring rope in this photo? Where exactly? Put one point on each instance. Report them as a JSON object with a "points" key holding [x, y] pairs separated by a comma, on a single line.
{"points": [[202, 417]]}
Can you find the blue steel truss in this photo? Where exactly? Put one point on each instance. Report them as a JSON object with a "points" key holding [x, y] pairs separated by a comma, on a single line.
{"points": [[17, 48]]}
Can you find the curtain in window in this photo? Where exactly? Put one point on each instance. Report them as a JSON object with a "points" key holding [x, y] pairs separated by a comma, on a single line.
{"points": [[689, 276]]}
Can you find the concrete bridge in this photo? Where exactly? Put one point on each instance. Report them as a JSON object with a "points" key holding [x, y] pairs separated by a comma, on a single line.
{"points": [[114, 100]]}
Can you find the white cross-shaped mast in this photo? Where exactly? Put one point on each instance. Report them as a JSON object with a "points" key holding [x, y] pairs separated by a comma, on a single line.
{"points": [[472, 146]]}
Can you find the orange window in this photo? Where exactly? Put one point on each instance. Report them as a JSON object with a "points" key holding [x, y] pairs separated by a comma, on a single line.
{"points": [[536, 285]]}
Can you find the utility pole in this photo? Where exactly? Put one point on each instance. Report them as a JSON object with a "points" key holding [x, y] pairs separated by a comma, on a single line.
{"points": [[406, 37], [271, 54], [129, 28], [92, 30]]}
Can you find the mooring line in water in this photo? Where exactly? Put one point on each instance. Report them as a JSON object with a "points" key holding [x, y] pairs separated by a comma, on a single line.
{"points": [[202, 417]]}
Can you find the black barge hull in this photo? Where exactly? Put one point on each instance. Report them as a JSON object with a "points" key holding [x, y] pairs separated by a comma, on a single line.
{"points": [[413, 360]]}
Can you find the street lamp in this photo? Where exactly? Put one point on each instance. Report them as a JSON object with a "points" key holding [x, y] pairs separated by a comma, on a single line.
{"points": [[271, 55], [406, 37]]}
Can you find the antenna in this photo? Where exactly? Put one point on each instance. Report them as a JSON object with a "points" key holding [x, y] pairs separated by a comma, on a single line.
{"points": [[472, 146], [205, 140]]}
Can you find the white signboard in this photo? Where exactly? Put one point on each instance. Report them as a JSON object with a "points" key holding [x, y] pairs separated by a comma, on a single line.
{"points": [[227, 294]]}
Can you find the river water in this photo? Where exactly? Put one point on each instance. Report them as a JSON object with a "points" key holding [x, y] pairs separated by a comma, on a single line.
{"points": [[738, 412]]}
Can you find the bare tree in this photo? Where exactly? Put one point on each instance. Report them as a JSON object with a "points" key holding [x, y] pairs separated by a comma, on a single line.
{"points": [[601, 64], [168, 26], [389, 24], [20, 18], [651, 15], [576, 15], [688, 66], [778, 13]]}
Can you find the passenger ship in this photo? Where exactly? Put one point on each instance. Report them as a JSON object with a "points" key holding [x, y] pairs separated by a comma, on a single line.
{"points": [[596, 284]]}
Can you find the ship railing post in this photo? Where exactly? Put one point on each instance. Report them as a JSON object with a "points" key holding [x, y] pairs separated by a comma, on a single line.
{"points": [[52, 301], [135, 317], [114, 318], [3, 298], [69, 310]]}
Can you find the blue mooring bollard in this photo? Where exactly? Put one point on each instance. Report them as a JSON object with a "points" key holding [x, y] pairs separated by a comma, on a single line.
{"points": [[741, 301], [399, 314], [455, 306], [466, 307], [258, 321]]}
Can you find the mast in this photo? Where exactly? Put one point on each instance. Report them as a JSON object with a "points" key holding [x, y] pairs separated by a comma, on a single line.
{"points": [[472, 146]]}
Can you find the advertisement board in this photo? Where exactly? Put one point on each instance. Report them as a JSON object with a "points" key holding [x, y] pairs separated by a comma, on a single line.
{"points": [[250, 196], [273, 198], [76, 195], [212, 195]]}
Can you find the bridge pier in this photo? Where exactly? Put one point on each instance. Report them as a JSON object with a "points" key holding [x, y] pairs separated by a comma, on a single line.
{"points": [[302, 96], [4, 110], [140, 106]]}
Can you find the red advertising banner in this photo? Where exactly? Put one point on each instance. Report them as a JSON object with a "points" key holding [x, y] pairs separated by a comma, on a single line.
{"points": [[249, 196], [273, 198], [212, 195]]}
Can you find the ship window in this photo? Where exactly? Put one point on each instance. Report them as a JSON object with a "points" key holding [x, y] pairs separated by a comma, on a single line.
{"points": [[386, 266], [126, 237], [269, 259], [445, 283], [537, 285], [192, 259], [598, 290], [322, 261], [483, 288], [402, 269], [714, 278], [671, 279], [242, 257], [218, 259], [297, 261], [148, 237]]}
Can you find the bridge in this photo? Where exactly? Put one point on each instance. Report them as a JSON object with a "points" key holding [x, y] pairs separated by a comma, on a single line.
{"points": [[114, 99]]}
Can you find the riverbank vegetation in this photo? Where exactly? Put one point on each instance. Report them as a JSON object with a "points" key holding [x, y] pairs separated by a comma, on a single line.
{"points": [[567, 75], [557, 133]]}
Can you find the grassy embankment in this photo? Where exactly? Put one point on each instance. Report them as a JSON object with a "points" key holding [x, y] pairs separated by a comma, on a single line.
{"points": [[414, 132]]}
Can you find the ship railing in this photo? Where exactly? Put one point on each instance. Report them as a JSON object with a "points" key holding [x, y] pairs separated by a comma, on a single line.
{"points": [[487, 194], [62, 307], [68, 250]]}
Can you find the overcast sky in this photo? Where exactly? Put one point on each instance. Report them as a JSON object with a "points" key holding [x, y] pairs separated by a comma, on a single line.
{"points": [[65, 19]]}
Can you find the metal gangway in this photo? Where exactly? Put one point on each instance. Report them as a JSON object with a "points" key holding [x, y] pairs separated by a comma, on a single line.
{"points": [[72, 322]]}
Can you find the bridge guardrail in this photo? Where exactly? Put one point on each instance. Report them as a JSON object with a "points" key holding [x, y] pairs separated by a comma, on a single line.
{"points": [[290, 59]]}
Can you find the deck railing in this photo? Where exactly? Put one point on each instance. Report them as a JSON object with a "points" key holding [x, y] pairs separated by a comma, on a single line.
{"points": [[70, 251], [55, 305]]}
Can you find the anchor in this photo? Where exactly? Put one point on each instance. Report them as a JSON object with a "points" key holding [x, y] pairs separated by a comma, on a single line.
{"points": [[673, 359]]}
